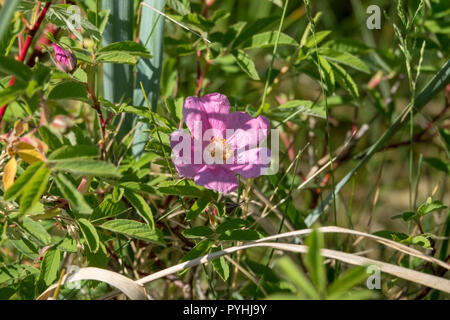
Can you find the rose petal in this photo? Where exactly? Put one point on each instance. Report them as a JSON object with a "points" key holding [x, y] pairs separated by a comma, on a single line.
{"points": [[65, 60], [217, 178], [217, 110], [195, 117], [247, 132], [184, 163], [251, 163]]}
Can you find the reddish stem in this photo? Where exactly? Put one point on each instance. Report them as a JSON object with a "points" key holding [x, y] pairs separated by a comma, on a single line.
{"points": [[26, 46], [43, 40], [20, 38]]}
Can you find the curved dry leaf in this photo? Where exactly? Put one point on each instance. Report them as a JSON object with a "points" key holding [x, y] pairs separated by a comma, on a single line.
{"points": [[131, 289], [389, 243], [404, 273], [401, 272]]}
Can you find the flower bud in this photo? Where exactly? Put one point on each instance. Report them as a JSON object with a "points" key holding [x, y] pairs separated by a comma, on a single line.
{"points": [[64, 59]]}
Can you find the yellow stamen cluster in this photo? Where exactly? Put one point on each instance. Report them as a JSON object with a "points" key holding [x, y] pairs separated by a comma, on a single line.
{"points": [[219, 147]]}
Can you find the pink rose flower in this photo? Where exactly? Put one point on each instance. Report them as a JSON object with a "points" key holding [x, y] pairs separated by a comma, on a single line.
{"points": [[64, 59], [220, 144]]}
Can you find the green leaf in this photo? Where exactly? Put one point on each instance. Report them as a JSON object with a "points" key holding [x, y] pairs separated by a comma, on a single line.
{"points": [[49, 269], [245, 63], [184, 188], [74, 152], [117, 57], [220, 14], [268, 39], [288, 270], [239, 235], [438, 164], [319, 37], [36, 230], [199, 250], [220, 264], [261, 270], [198, 207], [181, 7], [175, 107], [19, 185], [231, 224], [12, 67], [314, 260], [345, 58], [254, 28], [328, 74], [141, 207], [34, 189], [16, 272], [27, 287], [98, 259], [76, 199], [50, 138], [107, 209], [345, 79], [12, 93], [86, 167], [137, 187], [348, 45], [68, 245], [126, 47], [145, 159], [294, 107], [70, 90], [61, 16], [347, 281], [232, 33], [420, 241], [430, 206], [90, 234], [25, 246], [80, 75], [198, 232], [8, 292], [198, 21], [133, 229], [117, 193]]}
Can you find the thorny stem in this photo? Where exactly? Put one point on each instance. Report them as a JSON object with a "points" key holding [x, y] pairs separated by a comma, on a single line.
{"points": [[31, 33]]}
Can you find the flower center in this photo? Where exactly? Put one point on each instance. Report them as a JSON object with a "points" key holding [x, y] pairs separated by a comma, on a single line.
{"points": [[219, 149]]}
